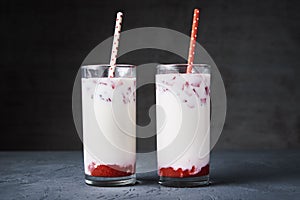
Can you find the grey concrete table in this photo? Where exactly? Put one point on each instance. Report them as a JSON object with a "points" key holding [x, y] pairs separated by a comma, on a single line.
{"points": [[234, 175]]}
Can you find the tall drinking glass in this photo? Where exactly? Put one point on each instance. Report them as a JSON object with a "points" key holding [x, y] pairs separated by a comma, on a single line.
{"points": [[183, 124], [109, 128]]}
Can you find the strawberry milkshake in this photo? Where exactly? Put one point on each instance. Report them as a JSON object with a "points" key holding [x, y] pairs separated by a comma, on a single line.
{"points": [[109, 130], [183, 125]]}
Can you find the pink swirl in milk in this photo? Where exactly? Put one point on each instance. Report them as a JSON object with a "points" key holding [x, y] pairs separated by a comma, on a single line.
{"points": [[189, 88], [105, 88], [110, 86]]}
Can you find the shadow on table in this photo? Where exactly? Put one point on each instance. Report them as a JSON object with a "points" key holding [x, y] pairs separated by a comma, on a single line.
{"points": [[148, 178]]}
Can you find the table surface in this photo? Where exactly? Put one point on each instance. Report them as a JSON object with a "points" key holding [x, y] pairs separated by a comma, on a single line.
{"points": [[234, 175]]}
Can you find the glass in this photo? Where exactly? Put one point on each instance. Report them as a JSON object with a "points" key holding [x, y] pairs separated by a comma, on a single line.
{"points": [[183, 124], [109, 128]]}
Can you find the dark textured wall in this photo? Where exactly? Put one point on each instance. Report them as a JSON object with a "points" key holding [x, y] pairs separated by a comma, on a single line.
{"points": [[254, 43]]}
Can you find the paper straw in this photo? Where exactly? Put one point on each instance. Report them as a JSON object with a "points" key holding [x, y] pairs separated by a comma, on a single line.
{"points": [[115, 46], [193, 41]]}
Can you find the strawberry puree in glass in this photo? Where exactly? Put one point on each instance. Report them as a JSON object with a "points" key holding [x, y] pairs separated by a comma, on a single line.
{"points": [[183, 126], [109, 130]]}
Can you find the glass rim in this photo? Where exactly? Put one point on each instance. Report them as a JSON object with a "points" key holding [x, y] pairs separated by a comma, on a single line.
{"points": [[183, 65], [95, 66]]}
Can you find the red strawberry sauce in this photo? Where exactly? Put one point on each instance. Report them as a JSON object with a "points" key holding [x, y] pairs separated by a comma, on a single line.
{"points": [[110, 170], [179, 173]]}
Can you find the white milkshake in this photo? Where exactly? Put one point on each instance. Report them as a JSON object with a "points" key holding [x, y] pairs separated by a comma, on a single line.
{"points": [[183, 124], [109, 130]]}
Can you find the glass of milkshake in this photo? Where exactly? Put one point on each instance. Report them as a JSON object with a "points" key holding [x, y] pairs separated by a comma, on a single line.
{"points": [[183, 124], [109, 124]]}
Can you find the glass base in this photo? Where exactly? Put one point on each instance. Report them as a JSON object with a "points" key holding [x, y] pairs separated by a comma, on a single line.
{"points": [[184, 182], [110, 181]]}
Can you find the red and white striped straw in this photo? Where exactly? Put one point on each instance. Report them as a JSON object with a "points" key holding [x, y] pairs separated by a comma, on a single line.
{"points": [[115, 46], [193, 40]]}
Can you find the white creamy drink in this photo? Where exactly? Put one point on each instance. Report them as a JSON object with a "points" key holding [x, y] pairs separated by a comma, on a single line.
{"points": [[109, 130], [183, 124]]}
